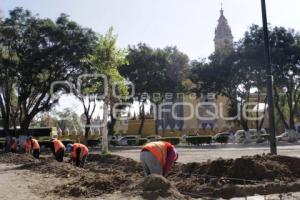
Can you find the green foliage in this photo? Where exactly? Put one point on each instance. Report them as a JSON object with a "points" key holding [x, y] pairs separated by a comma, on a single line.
{"points": [[93, 143], [197, 140], [142, 141], [222, 139], [172, 140], [132, 142], [44, 143], [113, 142], [41, 51]]}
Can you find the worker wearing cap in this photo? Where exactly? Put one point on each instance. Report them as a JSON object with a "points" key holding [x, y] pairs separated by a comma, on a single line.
{"points": [[13, 145], [78, 152], [58, 149], [158, 157], [32, 145]]}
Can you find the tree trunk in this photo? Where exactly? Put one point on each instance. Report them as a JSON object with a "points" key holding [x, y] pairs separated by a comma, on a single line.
{"points": [[257, 110], [156, 120], [104, 141], [25, 127], [87, 130], [277, 106], [142, 114], [111, 125]]}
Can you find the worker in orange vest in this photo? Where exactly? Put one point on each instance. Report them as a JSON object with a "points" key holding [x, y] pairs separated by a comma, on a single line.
{"points": [[58, 149], [158, 157], [32, 145], [13, 145], [78, 152]]}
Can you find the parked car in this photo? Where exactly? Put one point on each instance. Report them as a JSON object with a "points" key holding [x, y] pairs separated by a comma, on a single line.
{"points": [[253, 135], [292, 136], [122, 141], [152, 138], [283, 137], [228, 135]]}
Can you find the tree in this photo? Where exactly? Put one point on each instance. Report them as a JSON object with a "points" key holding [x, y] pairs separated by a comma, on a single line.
{"points": [[155, 71], [44, 52], [106, 59], [236, 74], [285, 54]]}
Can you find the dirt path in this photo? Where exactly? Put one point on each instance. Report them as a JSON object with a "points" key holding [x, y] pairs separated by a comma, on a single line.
{"points": [[19, 184], [23, 184]]}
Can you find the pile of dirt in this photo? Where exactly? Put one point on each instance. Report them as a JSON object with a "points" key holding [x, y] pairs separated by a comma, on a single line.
{"points": [[116, 162], [51, 166], [226, 178], [17, 159], [156, 187], [93, 185], [258, 167], [262, 174]]}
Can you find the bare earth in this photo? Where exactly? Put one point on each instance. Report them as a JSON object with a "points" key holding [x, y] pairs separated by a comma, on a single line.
{"points": [[21, 184]]}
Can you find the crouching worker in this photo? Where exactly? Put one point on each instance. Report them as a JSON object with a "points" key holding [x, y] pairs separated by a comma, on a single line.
{"points": [[78, 152], [158, 157], [32, 145], [58, 149]]}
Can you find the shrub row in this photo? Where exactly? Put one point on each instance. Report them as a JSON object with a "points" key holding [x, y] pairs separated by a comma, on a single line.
{"points": [[222, 139], [197, 140], [172, 140], [137, 142]]}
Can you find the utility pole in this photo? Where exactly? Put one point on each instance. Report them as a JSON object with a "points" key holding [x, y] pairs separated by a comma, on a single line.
{"points": [[269, 80]]}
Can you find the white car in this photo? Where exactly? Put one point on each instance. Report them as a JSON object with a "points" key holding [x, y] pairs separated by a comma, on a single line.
{"points": [[152, 138], [288, 136], [123, 140], [240, 136]]}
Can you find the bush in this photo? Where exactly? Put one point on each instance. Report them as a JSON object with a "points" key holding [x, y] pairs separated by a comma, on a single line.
{"points": [[113, 143], [222, 139], [196, 140], [132, 142], [93, 143], [2, 143], [45, 143], [263, 138], [172, 140], [143, 141]]}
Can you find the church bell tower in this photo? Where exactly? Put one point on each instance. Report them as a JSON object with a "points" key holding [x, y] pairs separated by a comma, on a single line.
{"points": [[223, 36]]}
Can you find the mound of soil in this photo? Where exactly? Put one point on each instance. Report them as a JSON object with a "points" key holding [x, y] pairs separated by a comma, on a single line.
{"points": [[17, 159], [156, 187], [127, 165], [106, 174], [93, 185], [249, 175], [258, 168]]}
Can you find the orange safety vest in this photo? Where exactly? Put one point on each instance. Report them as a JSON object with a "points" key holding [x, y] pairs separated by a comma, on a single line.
{"points": [[84, 150], [159, 150], [58, 145], [27, 146], [35, 144]]}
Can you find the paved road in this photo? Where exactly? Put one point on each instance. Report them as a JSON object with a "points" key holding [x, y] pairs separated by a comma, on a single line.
{"points": [[202, 154]]}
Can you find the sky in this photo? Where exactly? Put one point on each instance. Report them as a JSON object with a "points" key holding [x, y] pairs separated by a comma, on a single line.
{"points": [[187, 24]]}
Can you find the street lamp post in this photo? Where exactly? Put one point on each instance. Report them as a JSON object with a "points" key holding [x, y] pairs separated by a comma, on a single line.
{"points": [[269, 80]]}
